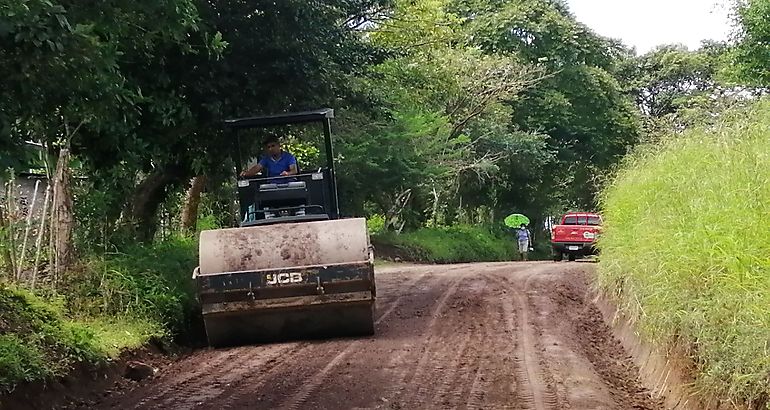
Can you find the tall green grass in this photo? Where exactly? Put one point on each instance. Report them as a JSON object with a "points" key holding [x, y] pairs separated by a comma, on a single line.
{"points": [[149, 281], [686, 250]]}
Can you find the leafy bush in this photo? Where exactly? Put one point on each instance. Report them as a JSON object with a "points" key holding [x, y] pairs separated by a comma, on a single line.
{"points": [[151, 282], [686, 250], [111, 303], [452, 244], [375, 224], [20, 361], [37, 341], [208, 222]]}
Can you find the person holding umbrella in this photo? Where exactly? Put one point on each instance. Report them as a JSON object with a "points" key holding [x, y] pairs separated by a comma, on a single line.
{"points": [[519, 223], [525, 241]]}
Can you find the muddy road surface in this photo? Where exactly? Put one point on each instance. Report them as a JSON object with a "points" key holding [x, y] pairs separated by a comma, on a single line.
{"points": [[475, 336]]}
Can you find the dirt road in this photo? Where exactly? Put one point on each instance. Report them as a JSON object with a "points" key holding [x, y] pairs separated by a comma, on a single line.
{"points": [[477, 336]]}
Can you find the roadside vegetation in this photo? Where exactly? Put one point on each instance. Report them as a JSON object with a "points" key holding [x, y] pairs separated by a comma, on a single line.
{"points": [[111, 304], [455, 244], [40, 340], [450, 115], [686, 250]]}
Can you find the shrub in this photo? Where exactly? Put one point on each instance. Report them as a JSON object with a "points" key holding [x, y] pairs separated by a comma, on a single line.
{"points": [[375, 224], [37, 340], [20, 361], [150, 282], [111, 303]]}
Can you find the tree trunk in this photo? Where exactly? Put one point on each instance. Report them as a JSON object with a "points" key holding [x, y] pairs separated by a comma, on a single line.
{"points": [[142, 208], [62, 217], [393, 220], [191, 203], [435, 208]]}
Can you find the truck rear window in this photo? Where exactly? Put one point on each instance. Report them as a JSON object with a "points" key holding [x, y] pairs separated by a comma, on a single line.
{"points": [[582, 220]]}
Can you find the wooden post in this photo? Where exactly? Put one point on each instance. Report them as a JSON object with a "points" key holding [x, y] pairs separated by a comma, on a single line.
{"points": [[63, 220], [40, 234], [7, 225], [27, 228], [5, 230]]}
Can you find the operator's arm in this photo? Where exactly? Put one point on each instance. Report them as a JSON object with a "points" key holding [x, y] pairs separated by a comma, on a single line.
{"points": [[292, 165], [292, 170], [254, 170]]}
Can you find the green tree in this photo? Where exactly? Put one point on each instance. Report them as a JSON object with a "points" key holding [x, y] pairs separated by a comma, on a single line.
{"points": [[668, 76], [280, 56], [150, 83], [581, 106], [752, 53], [65, 68], [444, 104]]}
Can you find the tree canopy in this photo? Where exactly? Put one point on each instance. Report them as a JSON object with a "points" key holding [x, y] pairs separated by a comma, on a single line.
{"points": [[460, 110]]}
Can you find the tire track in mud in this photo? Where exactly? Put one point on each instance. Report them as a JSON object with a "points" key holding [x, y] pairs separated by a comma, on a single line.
{"points": [[534, 333], [466, 365], [202, 395], [552, 346], [401, 378], [230, 371], [184, 383], [259, 377], [309, 387], [477, 392], [534, 391], [493, 342], [192, 396], [615, 383], [444, 370], [182, 378], [317, 379]]}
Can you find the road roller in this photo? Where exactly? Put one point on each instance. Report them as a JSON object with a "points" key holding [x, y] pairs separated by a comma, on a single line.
{"points": [[293, 267]]}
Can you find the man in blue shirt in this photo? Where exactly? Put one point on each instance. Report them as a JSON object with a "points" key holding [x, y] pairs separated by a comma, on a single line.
{"points": [[276, 162]]}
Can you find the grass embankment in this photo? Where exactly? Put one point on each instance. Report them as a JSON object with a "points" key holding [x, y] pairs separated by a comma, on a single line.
{"points": [[453, 244], [112, 303], [686, 251]]}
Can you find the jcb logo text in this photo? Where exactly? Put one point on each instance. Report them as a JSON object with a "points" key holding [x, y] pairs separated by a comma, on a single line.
{"points": [[284, 278]]}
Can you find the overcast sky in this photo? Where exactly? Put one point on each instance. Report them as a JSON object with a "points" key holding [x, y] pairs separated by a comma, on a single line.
{"points": [[647, 23]]}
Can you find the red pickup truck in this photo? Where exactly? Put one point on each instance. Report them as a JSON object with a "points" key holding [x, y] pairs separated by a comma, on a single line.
{"points": [[576, 235]]}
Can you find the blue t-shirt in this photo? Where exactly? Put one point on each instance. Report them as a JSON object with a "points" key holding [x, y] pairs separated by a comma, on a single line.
{"points": [[275, 167], [522, 234]]}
